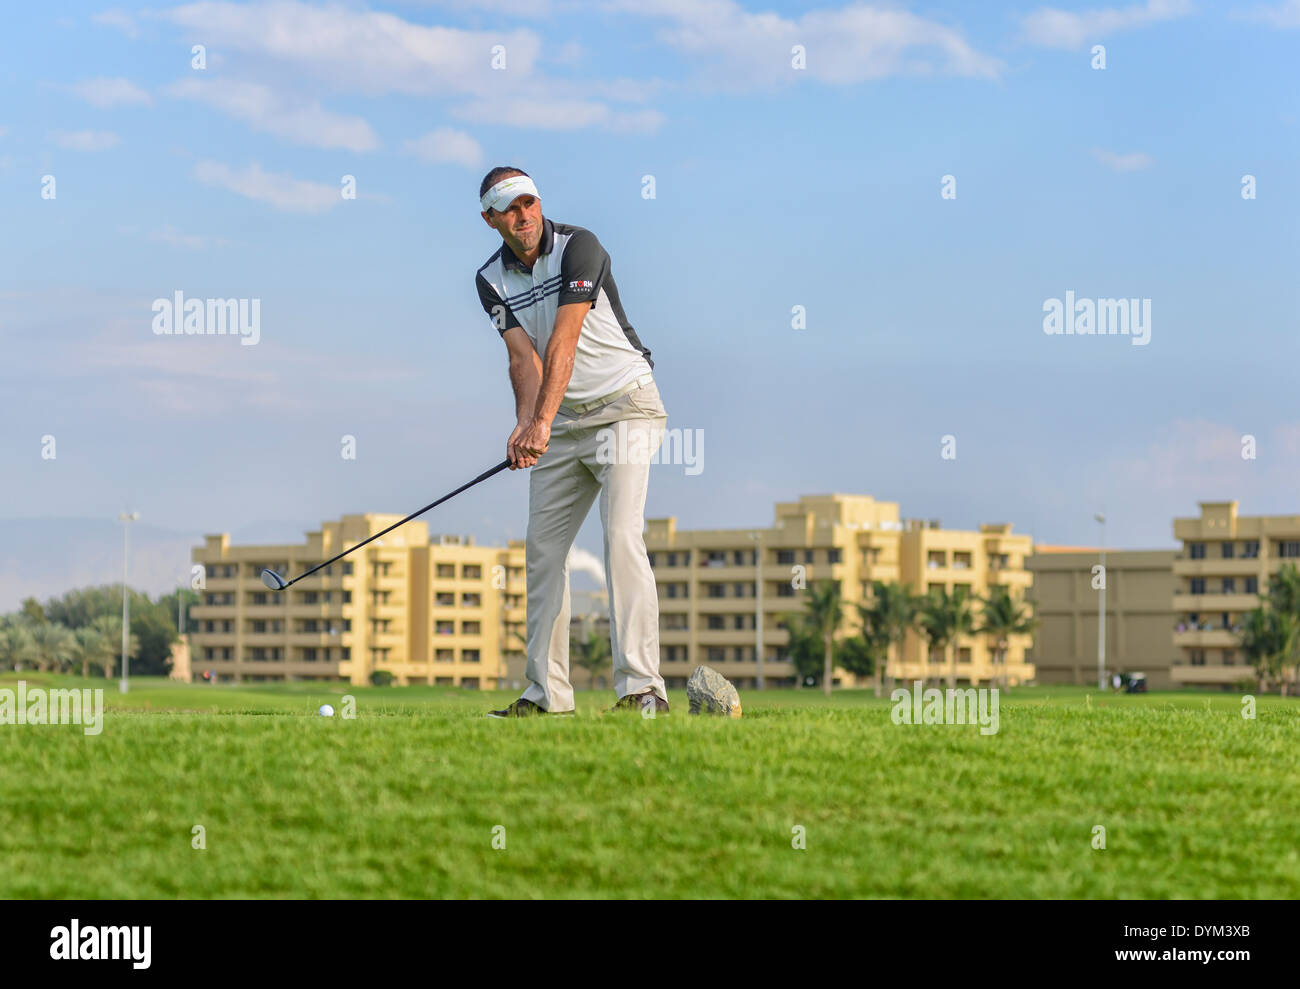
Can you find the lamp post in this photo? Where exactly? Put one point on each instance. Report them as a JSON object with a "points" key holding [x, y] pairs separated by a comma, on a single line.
{"points": [[126, 519], [758, 593], [1101, 611]]}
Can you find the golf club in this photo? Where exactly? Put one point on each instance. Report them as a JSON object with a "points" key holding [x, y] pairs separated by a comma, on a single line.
{"points": [[277, 583]]}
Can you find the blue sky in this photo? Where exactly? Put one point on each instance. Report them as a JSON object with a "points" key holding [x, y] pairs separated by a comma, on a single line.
{"points": [[775, 187]]}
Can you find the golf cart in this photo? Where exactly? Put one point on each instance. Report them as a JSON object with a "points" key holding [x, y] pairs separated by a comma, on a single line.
{"points": [[1134, 683]]}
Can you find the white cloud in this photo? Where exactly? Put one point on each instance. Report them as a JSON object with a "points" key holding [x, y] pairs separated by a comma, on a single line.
{"points": [[176, 238], [1284, 15], [1055, 28], [264, 110], [1133, 162], [105, 92], [368, 50], [559, 114], [844, 46], [119, 19], [85, 140], [284, 192], [582, 561], [447, 145]]}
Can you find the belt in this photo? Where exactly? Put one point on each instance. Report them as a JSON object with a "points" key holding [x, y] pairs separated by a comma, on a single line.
{"points": [[577, 410]]}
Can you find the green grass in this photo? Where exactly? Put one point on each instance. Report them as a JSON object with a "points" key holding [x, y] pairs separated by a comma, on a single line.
{"points": [[1197, 802]]}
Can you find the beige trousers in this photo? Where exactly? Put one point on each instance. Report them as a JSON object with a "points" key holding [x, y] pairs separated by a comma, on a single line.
{"points": [[602, 451]]}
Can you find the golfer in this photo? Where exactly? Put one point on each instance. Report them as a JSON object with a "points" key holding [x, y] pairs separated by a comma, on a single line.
{"points": [[588, 417]]}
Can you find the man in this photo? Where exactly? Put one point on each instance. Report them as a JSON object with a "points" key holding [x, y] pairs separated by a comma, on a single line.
{"points": [[583, 386]]}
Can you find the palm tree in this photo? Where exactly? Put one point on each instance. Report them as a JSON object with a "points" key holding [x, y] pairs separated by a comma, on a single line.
{"points": [[89, 648], [110, 627], [824, 609], [51, 646], [1001, 617], [1284, 600], [889, 615], [1263, 639], [942, 618], [16, 647]]}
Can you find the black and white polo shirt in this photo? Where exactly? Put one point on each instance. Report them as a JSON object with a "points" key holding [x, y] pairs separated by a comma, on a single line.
{"points": [[571, 267]]}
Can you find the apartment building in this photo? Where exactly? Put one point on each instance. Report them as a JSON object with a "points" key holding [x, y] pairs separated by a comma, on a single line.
{"points": [[724, 592], [1139, 614], [1223, 568], [426, 610]]}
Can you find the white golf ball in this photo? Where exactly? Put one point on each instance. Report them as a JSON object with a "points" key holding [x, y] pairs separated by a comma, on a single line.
{"points": [[326, 711]]}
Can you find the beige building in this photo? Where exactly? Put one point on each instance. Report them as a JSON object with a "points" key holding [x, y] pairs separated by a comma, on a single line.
{"points": [[435, 611], [1224, 566], [1139, 614], [710, 581]]}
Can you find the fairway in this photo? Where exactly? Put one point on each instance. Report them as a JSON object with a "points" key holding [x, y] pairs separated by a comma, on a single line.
{"points": [[405, 799]]}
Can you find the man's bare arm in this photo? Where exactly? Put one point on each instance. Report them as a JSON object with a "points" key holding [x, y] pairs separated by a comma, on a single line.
{"points": [[558, 367], [525, 373]]}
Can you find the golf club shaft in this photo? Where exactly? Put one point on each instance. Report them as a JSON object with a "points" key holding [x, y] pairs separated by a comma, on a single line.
{"points": [[433, 504]]}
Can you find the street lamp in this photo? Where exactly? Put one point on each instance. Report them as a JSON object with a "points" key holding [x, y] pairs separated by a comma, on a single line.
{"points": [[126, 519], [1101, 610], [757, 537]]}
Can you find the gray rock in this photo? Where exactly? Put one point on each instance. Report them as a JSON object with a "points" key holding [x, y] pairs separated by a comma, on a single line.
{"points": [[710, 690]]}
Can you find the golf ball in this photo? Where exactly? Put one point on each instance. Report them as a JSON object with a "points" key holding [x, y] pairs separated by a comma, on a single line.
{"points": [[326, 711]]}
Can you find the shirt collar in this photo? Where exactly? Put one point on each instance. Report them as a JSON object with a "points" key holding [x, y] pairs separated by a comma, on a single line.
{"points": [[548, 239]]}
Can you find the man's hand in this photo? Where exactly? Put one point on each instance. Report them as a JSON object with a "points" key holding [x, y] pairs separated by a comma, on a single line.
{"points": [[527, 443]]}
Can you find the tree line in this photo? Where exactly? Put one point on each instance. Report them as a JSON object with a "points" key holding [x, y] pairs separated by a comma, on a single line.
{"points": [[885, 618], [81, 632]]}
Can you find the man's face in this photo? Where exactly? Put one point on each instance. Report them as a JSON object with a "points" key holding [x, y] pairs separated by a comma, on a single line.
{"points": [[520, 224]]}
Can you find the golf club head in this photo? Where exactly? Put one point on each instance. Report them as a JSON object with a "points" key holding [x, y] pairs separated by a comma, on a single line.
{"points": [[273, 580]]}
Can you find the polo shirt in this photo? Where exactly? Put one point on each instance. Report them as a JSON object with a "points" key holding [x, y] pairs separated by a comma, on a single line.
{"points": [[572, 266]]}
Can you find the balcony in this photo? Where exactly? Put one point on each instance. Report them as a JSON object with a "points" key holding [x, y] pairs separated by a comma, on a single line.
{"points": [[1202, 603], [1236, 567], [1213, 638], [1215, 673]]}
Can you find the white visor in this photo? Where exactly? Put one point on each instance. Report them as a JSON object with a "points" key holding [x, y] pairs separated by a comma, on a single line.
{"points": [[505, 192]]}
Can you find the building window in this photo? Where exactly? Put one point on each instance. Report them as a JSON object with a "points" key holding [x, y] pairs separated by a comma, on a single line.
{"points": [[833, 555], [672, 559], [446, 570], [446, 628], [716, 621], [469, 600], [469, 656], [1197, 657], [1229, 657], [1229, 585], [784, 589], [1250, 550], [742, 621], [1198, 585], [1196, 551], [716, 654], [807, 556], [1252, 585], [444, 655], [651, 557], [471, 628], [784, 556], [1290, 548], [445, 599], [1227, 551], [717, 590], [472, 571]]}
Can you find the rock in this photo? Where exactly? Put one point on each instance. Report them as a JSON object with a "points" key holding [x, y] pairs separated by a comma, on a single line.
{"points": [[710, 690]]}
